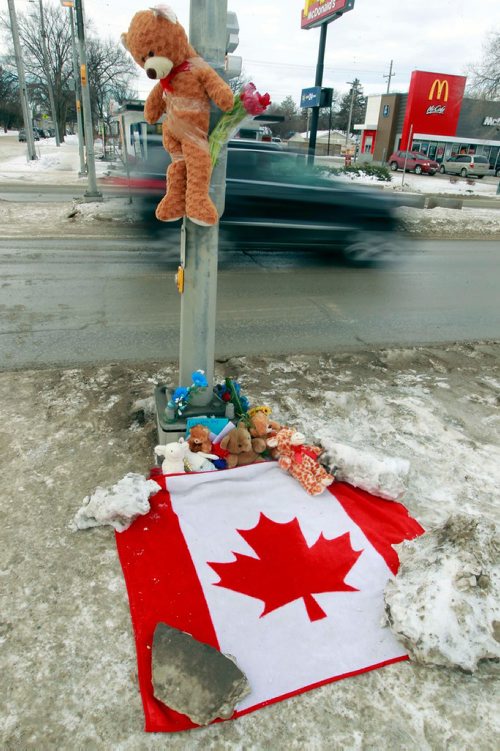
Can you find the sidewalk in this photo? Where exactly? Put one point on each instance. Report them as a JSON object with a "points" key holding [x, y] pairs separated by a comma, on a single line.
{"points": [[68, 663]]}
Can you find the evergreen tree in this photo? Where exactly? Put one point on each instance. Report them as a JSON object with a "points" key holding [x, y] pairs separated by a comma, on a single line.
{"points": [[357, 100]]}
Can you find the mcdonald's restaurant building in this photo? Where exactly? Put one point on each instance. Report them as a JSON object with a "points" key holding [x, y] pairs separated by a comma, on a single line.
{"points": [[434, 118]]}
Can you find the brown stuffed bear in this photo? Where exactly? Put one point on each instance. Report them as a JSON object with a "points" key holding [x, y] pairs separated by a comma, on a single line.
{"points": [[261, 428], [186, 83], [239, 444], [199, 439]]}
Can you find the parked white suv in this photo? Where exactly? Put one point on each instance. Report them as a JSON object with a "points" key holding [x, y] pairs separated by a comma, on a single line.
{"points": [[466, 165]]}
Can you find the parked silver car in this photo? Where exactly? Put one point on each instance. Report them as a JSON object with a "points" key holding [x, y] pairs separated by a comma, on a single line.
{"points": [[466, 165]]}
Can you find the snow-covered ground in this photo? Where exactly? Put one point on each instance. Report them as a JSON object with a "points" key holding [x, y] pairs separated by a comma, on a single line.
{"points": [[67, 676], [430, 185]]}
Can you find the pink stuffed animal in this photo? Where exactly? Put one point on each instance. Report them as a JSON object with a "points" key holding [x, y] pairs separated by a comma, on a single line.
{"points": [[300, 460]]}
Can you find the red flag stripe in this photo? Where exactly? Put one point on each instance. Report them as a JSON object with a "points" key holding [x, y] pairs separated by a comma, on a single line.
{"points": [[162, 586], [384, 523]]}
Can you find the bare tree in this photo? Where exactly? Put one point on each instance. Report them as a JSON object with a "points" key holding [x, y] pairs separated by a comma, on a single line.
{"points": [[10, 108], [110, 71], [59, 53], [485, 76]]}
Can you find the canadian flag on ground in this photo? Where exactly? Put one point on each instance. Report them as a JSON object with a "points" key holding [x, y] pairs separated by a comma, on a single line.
{"points": [[290, 585]]}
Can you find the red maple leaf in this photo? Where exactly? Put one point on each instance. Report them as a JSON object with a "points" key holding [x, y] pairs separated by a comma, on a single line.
{"points": [[286, 569]]}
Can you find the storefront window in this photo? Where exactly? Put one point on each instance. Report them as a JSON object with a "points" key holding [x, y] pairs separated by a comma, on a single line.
{"points": [[432, 150], [424, 147]]}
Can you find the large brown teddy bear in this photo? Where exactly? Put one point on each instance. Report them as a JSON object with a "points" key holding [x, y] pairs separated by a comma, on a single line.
{"points": [[238, 442], [261, 428], [186, 84]]}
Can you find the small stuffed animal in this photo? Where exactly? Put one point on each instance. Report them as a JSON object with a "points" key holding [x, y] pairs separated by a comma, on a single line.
{"points": [[199, 438], [261, 428], [186, 84], [300, 460], [173, 453], [179, 458], [238, 442]]}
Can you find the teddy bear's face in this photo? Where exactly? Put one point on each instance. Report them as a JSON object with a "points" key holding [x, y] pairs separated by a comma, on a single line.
{"points": [[239, 440], [156, 41], [198, 437]]}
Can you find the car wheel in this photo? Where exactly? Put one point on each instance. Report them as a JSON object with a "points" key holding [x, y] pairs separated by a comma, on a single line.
{"points": [[432, 172], [394, 166], [367, 248], [418, 169], [463, 172], [442, 170]]}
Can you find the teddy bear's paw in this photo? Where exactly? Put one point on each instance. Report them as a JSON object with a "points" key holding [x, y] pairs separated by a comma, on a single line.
{"points": [[166, 211], [202, 213]]}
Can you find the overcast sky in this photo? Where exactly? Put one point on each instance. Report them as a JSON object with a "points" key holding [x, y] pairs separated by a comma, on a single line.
{"points": [[437, 35]]}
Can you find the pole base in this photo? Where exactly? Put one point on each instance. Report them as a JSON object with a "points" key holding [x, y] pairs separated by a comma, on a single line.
{"points": [[89, 197], [169, 431]]}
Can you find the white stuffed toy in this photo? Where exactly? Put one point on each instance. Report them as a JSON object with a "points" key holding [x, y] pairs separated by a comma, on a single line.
{"points": [[177, 457]]}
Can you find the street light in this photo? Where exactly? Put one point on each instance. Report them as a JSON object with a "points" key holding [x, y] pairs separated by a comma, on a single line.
{"points": [[79, 122]]}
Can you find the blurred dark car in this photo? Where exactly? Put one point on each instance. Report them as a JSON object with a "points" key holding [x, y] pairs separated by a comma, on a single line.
{"points": [[415, 162], [22, 135], [273, 200]]}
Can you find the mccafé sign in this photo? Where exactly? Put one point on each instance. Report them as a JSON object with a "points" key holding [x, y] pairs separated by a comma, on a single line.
{"points": [[439, 90], [434, 102], [317, 12]]}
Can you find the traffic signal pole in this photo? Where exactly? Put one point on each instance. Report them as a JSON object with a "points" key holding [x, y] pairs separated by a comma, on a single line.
{"points": [[92, 192], [207, 34], [197, 277]]}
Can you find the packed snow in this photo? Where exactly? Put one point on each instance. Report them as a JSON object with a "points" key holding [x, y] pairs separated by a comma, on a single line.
{"points": [[444, 604], [118, 505]]}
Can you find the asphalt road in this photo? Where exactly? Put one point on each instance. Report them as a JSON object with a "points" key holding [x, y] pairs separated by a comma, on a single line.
{"points": [[66, 303]]}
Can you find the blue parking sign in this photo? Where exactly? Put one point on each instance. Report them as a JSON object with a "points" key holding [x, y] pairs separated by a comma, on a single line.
{"points": [[310, 97]]}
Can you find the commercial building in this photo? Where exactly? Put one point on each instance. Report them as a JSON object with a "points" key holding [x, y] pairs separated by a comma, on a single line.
{"points": [[434, 118]]}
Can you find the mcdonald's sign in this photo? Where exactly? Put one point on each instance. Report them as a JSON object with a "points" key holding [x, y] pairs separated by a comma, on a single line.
{"points": [[434, 102], [318, 12], [439, 89]]}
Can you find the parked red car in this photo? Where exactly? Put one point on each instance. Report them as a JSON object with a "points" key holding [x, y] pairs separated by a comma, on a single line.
{"points": [[415, 162]]}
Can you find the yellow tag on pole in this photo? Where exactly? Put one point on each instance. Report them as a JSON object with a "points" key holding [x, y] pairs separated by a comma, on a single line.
{"points": [[78, 105], [83, 74], [179, 279]]}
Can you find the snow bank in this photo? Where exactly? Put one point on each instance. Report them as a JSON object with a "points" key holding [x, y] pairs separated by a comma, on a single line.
{"points": [[112, 210], [118, 505], [444, 603], [443, 222], [383, 476]]}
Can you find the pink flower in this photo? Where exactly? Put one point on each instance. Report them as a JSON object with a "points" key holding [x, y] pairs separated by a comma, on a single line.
{"points": [[253, 102]]}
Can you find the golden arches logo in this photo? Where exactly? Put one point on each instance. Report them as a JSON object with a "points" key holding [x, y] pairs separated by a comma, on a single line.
{"points": [[437, 89]]}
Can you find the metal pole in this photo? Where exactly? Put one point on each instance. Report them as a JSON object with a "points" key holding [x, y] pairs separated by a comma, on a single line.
{"points": [[79, 121], [318, 81], [28, 125], [389, 76], [354, 91], [207, 34], [92, 191], [408, 146], [47, 74]]}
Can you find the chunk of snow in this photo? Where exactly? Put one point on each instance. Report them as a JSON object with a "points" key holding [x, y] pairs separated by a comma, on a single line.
{"points": [[118, 505], [383, 476], [443, 604]]}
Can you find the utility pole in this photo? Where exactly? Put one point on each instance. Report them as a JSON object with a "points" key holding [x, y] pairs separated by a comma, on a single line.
{"points": [[318, 81], [79, 122], [46, 65], [389, 76], [354, 91], [92, 191], [28, 125]]}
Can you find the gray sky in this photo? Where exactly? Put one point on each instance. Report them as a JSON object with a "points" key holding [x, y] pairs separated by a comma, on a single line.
{"points": [[438, 35]]}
